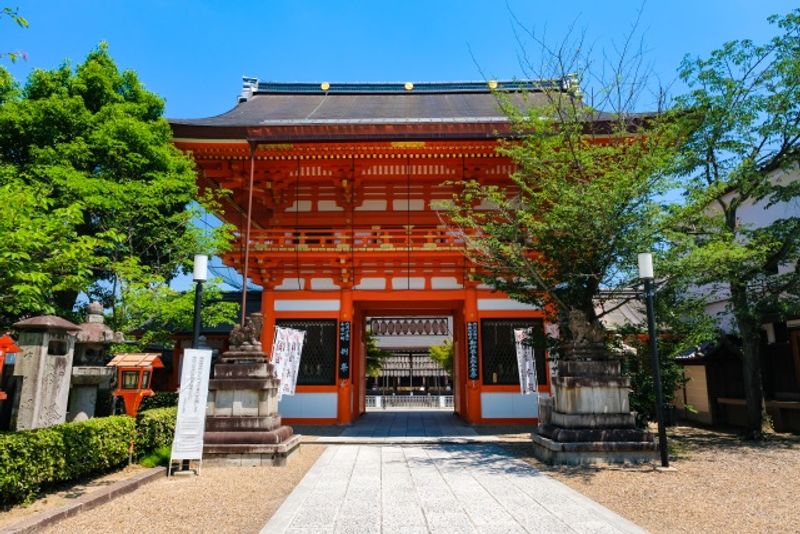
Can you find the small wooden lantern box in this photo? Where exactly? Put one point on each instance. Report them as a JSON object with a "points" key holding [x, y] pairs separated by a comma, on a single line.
{"points": [[134, 374]]}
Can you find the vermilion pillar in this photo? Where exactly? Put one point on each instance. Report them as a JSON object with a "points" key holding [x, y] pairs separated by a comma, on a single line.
{"points": [[473, 396], [268, 311], [345, 392]]}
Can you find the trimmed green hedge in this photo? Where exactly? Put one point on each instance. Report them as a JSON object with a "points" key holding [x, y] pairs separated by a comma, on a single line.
{"points": [[31, 460], [161, 399], [155, 429]]}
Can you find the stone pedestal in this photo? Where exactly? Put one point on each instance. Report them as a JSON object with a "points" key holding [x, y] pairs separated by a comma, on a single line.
{"points": [[243, 426], [588, 419]]}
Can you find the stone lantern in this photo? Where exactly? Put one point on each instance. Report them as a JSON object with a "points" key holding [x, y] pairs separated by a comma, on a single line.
{"points": [[90, 375], [45, 365]]}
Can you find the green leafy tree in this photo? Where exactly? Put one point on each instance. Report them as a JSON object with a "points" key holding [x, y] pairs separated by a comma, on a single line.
{"points": [[20, 21], [683, 324], [742, 153], [40, 250], [376, 356], [150, 308], [581, 202], [92, 146], [443, 355]]}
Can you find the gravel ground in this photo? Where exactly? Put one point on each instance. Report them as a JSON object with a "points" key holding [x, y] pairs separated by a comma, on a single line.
{"points": [[221, 499], [722, 484], [65, 495]]}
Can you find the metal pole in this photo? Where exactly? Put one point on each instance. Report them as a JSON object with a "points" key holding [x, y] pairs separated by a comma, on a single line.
{"points": [[651, 329], [198, 294], [246, 266]]}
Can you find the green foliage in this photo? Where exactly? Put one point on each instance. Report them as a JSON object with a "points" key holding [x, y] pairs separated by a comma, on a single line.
{"points": [[638, 366], [154, 429], [443, 355], [582, 202], [742, 150], [161, 399], [376, 356], [20, 21], [41, 251], [149, 304], [32, 460], [86, 156], [159, 457]]}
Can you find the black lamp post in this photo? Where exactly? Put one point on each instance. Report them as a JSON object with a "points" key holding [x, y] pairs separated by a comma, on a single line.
{"points": [[646, 274], [200, 276]]}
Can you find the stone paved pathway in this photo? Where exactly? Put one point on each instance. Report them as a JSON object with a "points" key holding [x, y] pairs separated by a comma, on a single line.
{"points": [[408, 426], [409, 489]]}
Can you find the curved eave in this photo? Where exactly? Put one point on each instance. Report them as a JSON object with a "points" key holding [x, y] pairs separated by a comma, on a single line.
{"points": [[368, 131]]}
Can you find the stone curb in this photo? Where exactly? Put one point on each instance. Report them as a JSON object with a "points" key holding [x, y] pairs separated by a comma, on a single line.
{"points": [[84, 503]]}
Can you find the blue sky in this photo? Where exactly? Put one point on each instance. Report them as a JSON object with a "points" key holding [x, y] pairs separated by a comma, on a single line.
{"points": [[194, 53]]}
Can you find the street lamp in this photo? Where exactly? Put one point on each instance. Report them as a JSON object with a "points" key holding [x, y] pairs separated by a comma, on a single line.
{"points": [[200, 275], [646, 274]]}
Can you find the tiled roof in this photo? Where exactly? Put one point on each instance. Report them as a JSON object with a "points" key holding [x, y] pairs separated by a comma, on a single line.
{"points": [[136, 359], [343, 110]]}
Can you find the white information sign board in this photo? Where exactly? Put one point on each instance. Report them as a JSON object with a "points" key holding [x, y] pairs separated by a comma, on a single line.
{"points": [[286, 351], [526, 362], [192, 401]]}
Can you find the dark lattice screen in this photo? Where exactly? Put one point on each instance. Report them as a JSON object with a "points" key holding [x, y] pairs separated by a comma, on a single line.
{"points": [[318, 361], [499, 354]]}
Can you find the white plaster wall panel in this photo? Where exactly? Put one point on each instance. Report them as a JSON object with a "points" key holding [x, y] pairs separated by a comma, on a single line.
{"points": [[503, 305], [307, 305], [445, 282], [322, 284], [390, 342], [372, 205], [404, 282], [485, 286], [402, 204], [371, 284], [308, 405], [328, 205], [291, 284], [508, 405], [299, 206]]}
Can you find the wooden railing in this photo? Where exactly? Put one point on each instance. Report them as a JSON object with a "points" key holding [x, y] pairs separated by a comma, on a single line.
{"points": [[358, 240]]}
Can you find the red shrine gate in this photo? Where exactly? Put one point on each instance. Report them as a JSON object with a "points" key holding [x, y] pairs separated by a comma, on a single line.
{"points": [[339, 189]]}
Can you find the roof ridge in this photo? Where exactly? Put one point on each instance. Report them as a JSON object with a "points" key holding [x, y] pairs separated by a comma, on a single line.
{"points": [[255, 86]]}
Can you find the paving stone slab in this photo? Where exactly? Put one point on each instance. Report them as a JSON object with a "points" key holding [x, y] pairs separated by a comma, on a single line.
{"points": [[476, 488]]}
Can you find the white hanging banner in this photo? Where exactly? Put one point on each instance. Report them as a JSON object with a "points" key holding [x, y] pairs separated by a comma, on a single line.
{"points": [[286, 351], [192, 401], [526, 363]]}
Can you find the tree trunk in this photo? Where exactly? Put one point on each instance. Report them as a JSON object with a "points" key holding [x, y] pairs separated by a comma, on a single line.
{"points": [[65, 301], [749, 329]]}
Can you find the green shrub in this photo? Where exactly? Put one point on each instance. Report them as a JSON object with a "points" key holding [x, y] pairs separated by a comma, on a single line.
{"points": [[31, 460], [155, 429], [158, 457], [96, 445], [161, 399]]}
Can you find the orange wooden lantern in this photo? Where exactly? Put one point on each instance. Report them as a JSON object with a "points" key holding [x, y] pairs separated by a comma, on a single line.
{"points": [[7, 346], [134, 375]]}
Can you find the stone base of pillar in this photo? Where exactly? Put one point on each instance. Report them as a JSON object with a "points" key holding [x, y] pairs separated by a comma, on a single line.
{"points": [[588, 419], [243, 426]]}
